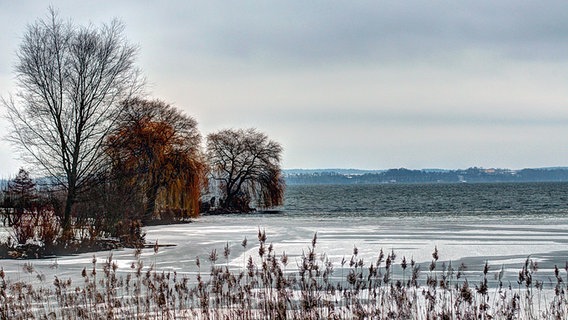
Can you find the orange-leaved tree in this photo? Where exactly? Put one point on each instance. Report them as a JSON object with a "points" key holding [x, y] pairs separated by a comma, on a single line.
{"points": [[156, 150], [246, 165]]}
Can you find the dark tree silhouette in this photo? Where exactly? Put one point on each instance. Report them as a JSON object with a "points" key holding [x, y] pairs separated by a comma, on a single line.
{"points": [[69, 79], [246, 166], [156, 150], [20, 195]]}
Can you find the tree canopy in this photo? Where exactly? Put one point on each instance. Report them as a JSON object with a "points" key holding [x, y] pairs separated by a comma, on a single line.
{"points": [[246, 165], [21, 192], [156, 150]]}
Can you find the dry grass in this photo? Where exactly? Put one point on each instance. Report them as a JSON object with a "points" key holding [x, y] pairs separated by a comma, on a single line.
{"points": [[273, 288]]}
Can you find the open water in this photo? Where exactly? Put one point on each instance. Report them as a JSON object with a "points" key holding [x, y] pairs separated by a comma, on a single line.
{"points": [[508, 200]]}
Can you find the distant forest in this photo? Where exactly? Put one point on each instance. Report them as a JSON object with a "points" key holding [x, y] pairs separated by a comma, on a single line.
{"points": [[471, 175]]}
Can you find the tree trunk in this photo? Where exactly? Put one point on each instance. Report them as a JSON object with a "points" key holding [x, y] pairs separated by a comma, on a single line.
{"points": [[230, 200], [69, 201], [151, 195]]}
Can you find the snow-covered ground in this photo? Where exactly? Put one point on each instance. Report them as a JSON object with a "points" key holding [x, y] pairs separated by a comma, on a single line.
{"points": [[505, 242]]}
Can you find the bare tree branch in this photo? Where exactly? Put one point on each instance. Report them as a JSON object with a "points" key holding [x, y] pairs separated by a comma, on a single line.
{"points": [[69, 80]]}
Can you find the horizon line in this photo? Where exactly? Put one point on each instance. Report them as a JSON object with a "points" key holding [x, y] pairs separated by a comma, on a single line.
{"points": [[427, 168]]}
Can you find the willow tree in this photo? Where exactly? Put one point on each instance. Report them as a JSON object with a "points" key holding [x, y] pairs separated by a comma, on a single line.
{"points": [[246, 165], [69, 81], [156, 150]]}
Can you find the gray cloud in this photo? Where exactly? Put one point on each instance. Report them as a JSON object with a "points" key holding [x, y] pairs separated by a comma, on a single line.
{"points": [[308, 32], [372, 84], [417, 119]]}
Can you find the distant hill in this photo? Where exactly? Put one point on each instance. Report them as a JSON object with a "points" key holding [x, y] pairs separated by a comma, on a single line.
{"points": [[326, 171], [402, 175]]}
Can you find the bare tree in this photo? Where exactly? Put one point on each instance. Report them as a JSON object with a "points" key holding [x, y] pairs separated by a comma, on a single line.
{"points": [[70, 79], [157, 150], [246, 164]]}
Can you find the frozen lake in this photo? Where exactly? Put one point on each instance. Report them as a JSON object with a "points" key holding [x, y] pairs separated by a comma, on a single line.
{"points": [[503, 237]]}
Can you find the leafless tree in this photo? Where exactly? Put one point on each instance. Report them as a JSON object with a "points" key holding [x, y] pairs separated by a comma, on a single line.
{"points": [[246, 164], [70, 79]]}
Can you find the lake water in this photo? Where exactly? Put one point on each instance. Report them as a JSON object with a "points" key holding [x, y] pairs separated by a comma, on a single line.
{"points": [[502, 224], [434, 200]]}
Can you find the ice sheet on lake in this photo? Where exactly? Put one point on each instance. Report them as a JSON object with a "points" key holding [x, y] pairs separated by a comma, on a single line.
{"points": [[470, 240]]}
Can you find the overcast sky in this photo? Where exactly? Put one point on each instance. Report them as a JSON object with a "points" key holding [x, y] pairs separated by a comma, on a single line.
{"points": [[351, 84]]}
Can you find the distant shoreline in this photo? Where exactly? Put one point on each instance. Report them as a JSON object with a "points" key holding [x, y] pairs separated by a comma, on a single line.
{"points": [[470, 175]]}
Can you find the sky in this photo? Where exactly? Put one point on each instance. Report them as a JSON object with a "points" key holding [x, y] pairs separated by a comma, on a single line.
{"points": [[346, 84]]}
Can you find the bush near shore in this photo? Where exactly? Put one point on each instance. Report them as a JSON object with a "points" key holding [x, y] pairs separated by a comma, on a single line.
{"points": [[268, 286]]}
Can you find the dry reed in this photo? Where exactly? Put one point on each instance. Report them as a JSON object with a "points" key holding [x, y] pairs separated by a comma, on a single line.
{"points": [[267, 287]]}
